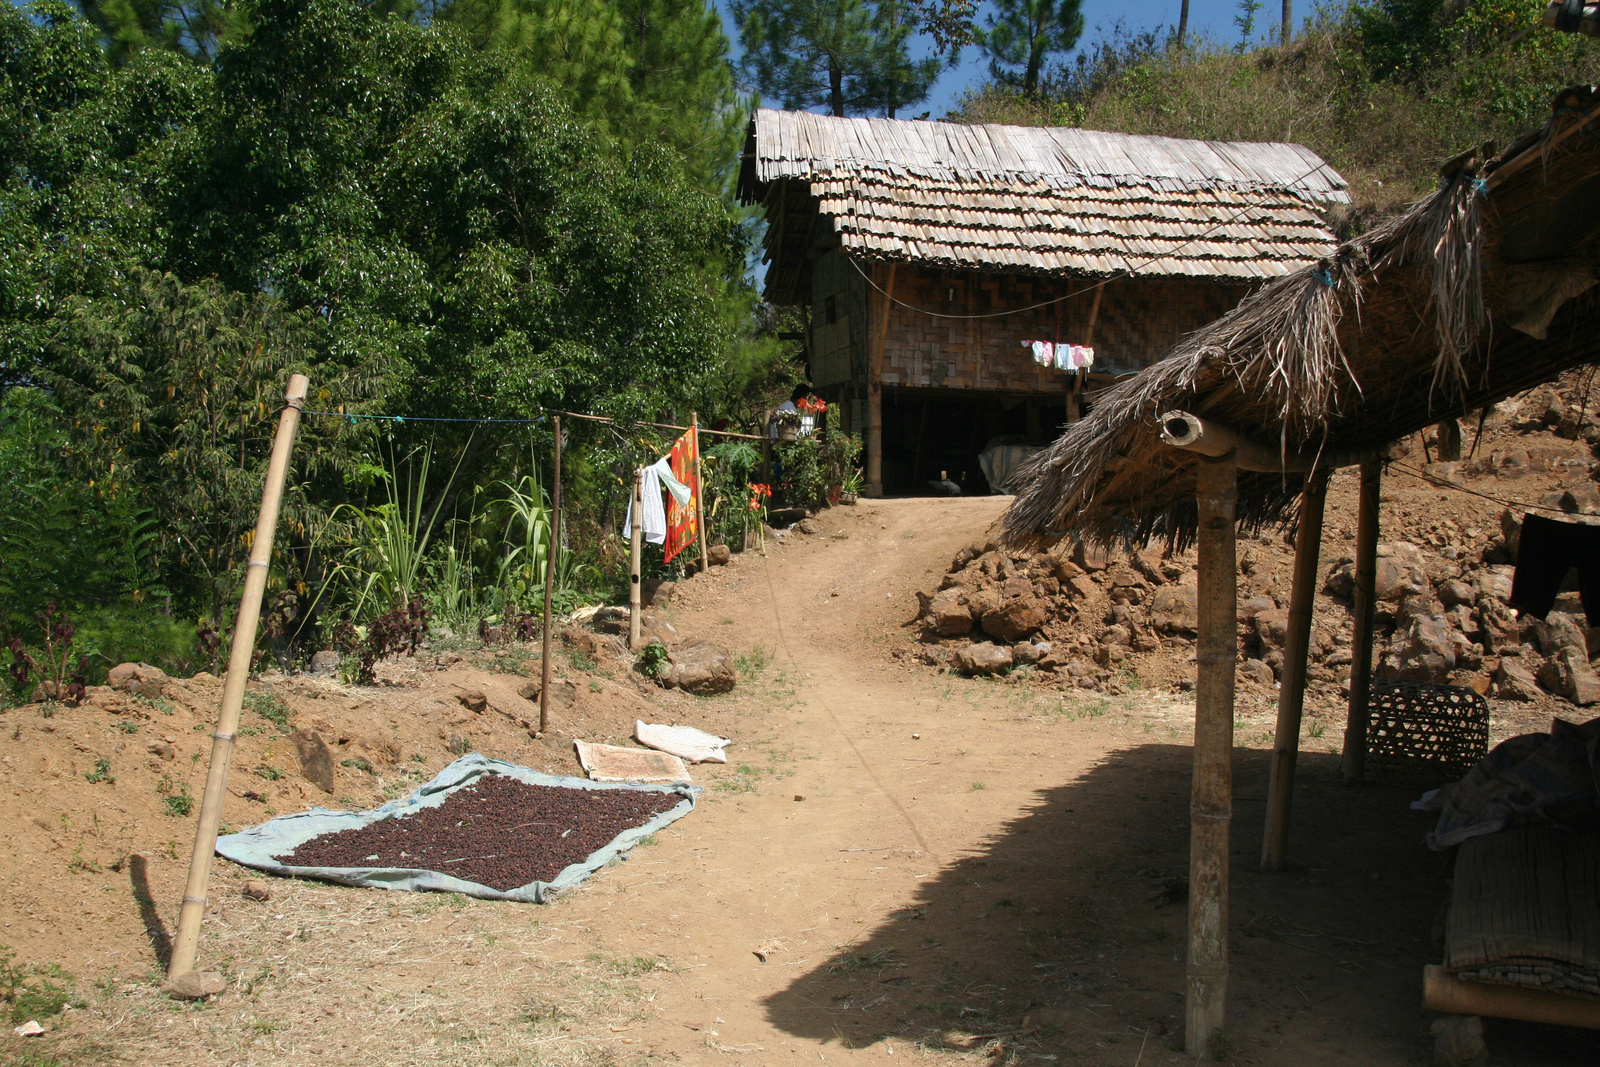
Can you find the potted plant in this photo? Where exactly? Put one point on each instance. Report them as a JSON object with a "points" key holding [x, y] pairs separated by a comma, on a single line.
{"points": [[788, 423]]}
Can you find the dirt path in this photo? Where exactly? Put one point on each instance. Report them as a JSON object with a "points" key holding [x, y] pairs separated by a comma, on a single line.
{"points": [[895, 865]]}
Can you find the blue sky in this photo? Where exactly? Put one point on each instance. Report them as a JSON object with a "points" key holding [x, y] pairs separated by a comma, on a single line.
{"points": [[1210, 18]]}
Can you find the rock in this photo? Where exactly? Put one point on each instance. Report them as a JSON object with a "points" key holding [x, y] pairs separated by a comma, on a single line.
{"points": [[563, 693], [719, 555], [1117, 634], [982, 602], [256, 889], [1175, 609], [530, 689], [326, 662], [1493, 583], [1341, 581], [807, 526], [652, 627], [948, 614], [1272, 627], [656, 592], [1143, 641], [1090, 557], [701, 667], [1256, 671], [1514, 682], [1015, 619], [1402, 570], [1083, 585], [162, 749], [1064, 570], [1425, 651], [1255, 606], [1018, 585], [473, 700], [316, 761], [1024, 652], [1568, 675], [31, 1028], [194, 985], [138, 678], [1559, 630], [1455, 593], [983, 658]]}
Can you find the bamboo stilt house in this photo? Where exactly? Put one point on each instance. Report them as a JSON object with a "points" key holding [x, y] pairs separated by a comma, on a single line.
{"points": [[926, 253], [1482, 290]]}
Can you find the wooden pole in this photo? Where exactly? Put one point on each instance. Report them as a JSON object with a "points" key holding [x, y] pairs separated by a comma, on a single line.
{"points": [[549, 589], [1443, 991], [635, 554], [1296, 651], [1211, 792], [699, 512], [187, 944], [1355, 731], [875, 391]]}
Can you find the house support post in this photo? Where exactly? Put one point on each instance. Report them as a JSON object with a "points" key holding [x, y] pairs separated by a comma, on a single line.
{"points": [[635, 559], [1355, 732], [1292, 691], [874, 441], [1211, 792]]}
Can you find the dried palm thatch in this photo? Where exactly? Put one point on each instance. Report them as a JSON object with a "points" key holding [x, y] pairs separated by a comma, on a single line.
{"points": [[1477, 292]]}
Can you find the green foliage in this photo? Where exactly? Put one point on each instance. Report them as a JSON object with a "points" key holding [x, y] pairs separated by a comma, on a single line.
{"points": [[31, 991], [179, 804], [850, 56], [1020, 35], [387, 543], [802, 480], [101, 773], [652, 660], [269, 706]]}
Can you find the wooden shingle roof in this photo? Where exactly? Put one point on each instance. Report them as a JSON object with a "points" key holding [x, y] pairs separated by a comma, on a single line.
{"points": [[1048, 199]]}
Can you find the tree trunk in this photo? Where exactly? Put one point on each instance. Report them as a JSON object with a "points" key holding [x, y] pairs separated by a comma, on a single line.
{"points": [[836, 90], [1183, 21], [1286, 30]]}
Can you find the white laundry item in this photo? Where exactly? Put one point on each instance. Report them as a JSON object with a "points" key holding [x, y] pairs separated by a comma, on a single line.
{"points": [[685, 742], [652, 515], [680, 492]]}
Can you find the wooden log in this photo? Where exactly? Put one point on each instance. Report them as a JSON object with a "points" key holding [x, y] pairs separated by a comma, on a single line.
{"points": [[186, 946], [1292, 691], [1211, 792], [1354, 762], [1442, 991], [635, 557], [549, 587], [874, 441]]}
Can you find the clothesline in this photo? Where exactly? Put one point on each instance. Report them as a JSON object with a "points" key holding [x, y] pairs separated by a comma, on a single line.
{"points": [[399, 419]]}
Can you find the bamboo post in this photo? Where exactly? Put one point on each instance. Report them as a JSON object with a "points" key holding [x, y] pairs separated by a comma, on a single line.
{"points": [[1355, 732], [1211, 792], [186, 946], [875, 392], [699, 512], [1292, 692], [635, 553], [549, 589]]}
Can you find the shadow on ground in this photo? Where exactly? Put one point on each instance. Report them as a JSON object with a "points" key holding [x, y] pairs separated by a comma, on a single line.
{"points": [[1063, 937]]}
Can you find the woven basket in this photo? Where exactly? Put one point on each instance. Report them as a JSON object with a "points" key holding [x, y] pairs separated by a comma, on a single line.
{"points": [[1421, 723]]}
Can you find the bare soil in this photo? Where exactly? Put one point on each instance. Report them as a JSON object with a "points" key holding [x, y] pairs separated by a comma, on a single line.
{"points": [[895, 864]]}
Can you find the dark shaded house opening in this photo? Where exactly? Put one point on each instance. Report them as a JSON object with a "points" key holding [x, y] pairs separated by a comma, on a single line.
{"points": [[929, 431]]}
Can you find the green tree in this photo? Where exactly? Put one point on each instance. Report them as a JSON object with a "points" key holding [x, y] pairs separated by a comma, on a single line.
{"points": [[850, 56], [1021, 34], [195, 28]]}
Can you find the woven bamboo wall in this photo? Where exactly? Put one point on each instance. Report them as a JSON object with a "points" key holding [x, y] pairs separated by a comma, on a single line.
{"points": [[1138, 320]]}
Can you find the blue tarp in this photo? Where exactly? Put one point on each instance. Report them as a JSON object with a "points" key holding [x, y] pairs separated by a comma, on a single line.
{"points": [[259, 846]]}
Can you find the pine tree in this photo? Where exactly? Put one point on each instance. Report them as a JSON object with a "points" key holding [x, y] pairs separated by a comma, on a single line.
{"points": [[682, 85], [1021, 34], [196, 28], [850, 56], [577, 44]]}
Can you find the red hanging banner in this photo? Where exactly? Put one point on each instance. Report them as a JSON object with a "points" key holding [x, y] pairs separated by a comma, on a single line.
{"points": [[683, 522]]}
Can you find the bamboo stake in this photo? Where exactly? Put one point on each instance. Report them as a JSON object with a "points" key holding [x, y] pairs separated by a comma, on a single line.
{"points": [[1355, 731], [549, 589], [186, 946], [699, 513], [635, 554], [875, 392], [1292, 693], [1211, 792]]}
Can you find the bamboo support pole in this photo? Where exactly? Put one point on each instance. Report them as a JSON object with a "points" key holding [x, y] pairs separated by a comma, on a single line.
{"points": [[1292, 691], [1211, 791], [875, 392], [635, 555], [1355, 732], [186, 945], [549, 588], [699, 512]]}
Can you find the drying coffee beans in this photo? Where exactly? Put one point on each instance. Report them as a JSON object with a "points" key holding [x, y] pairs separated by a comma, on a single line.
{"points": [[498, 832]]}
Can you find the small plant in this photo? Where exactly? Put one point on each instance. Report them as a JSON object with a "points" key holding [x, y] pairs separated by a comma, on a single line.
{"points": [[751, 664], [401, 629], [359, 764], [417, 757], [652, 660], [179, 803], [31, 992], [271, 774], [269, 706], [977, 786], [101, 773], [128, 727], [84, 866]]}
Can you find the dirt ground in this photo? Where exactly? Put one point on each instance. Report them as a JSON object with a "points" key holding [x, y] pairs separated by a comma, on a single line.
{"points": [[894, 865]]}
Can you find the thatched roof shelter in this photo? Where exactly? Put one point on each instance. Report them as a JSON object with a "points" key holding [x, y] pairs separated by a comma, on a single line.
{"points": [[1478, 292], [1031, 199]]}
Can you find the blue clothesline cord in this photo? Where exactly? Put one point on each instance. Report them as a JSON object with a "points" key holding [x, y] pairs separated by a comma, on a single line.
{"points": [[420, 418]]}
